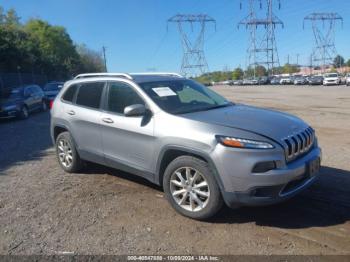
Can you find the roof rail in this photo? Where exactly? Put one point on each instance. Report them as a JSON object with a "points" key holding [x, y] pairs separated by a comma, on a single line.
{"points": [[103, 74], [157, 74]]}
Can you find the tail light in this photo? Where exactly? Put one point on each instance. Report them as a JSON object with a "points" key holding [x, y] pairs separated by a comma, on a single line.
{"points": [[51, 104]]}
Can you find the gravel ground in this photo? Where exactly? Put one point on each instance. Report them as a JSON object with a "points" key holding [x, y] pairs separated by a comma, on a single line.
{"points": [[105, 211]]}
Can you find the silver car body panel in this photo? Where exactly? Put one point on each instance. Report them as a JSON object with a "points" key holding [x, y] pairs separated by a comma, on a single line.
{"points": [[138, 145]]}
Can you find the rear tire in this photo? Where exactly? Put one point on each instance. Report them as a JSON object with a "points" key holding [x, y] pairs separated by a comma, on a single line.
{"points": [[67, 155], [200, 196]]}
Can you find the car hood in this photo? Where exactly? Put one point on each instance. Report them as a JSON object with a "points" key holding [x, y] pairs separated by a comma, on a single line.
{"points": [[331, 78], [273, 124]]}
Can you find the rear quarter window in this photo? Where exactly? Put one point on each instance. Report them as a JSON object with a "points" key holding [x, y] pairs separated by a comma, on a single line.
{"points": [[68, 96]]}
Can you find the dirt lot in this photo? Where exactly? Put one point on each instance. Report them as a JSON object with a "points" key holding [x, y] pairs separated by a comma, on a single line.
{"points": [[45, 211]]}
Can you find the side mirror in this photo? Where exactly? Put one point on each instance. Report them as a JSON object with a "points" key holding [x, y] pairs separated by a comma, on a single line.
{"points": [[135, 110]]}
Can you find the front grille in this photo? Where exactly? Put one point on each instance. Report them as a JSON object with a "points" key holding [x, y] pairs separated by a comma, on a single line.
{"points": [[299, 143]]}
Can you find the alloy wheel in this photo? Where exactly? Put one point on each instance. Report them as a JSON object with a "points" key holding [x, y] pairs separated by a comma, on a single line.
{"points": [[189, 189], [65, 153]]}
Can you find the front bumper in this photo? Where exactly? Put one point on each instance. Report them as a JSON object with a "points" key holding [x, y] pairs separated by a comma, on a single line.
{"points": [[242, 187], [8, 114]]}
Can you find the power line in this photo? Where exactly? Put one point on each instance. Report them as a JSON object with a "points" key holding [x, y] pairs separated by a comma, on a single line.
{"points": [[324, 50], [263, 52], [193, 61]]}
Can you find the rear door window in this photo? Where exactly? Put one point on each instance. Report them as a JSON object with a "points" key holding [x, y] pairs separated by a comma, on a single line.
{"points": [[89, 94]]}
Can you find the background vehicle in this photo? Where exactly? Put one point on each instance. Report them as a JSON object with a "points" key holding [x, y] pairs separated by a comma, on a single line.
{"points": [[315, 80], [275, 81], [287, 80], [347, 81], [331, 79], [51, 89], [203, 149], [264, 80], [22, 101], [300, 80]]}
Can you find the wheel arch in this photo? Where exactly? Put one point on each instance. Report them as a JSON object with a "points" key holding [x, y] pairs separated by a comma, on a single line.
{"points": [[169, 153]]}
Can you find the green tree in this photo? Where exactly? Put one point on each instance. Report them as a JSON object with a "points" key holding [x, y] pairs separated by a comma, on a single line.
{"points": [[237, 74], [290, 69], [338, 61], [348, 63], [55, 51], [90, 60]]}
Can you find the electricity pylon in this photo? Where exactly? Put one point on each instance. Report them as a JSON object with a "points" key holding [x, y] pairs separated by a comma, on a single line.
{"points": [[193, 61], [262, 48], [324, 50]]}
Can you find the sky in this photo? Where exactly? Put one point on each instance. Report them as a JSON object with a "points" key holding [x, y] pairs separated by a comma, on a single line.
{"points": [[137, 39]]}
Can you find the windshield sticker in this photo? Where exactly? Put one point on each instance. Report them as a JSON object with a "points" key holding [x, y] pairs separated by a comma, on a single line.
{"points": [[164, 91]]}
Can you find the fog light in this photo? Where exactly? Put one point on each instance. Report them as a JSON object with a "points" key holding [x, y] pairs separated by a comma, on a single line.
{"points": [[263, 167]]}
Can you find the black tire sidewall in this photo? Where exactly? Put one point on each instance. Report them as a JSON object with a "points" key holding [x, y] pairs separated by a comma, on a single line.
{"points": [[215, 201]]}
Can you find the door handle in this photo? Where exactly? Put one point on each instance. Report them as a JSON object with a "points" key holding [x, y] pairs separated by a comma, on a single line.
{"points": [[107, 120], [71, 112]]}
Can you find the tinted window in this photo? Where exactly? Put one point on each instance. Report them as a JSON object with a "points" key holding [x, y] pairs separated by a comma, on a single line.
{"points": [[28, 91], [120, 96], [89, 94], [69, 94], [37, 89]]}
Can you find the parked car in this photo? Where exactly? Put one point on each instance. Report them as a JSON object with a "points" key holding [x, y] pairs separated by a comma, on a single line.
{"points": [[300, 81], [264, 80], [203, 149], [22, 101], [275, 81], [315, 80], [347, 81], [237, 82], [51, 89], [286, 80], [331, 79]]}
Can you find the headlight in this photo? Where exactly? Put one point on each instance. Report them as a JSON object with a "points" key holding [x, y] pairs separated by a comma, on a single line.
{"points": [[11, 107], [243, 143]]}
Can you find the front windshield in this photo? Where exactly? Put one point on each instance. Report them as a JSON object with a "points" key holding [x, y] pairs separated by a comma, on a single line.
{"points": [[332, 75], [183, 96]]}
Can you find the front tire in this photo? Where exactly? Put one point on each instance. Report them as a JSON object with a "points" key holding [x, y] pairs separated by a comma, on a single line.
{"points": [[67, 154], [190, 187]]}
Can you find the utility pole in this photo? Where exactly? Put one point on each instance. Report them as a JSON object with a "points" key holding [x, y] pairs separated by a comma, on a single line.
{"points": [[193, 61], [324, 50], [263, 51], [104, 57], [298, 59]]}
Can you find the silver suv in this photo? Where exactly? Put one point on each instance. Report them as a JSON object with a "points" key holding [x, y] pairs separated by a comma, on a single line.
{"points": [[203, 149]]}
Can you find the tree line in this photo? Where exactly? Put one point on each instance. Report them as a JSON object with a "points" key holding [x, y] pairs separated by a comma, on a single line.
{"points": [[38, 47]]}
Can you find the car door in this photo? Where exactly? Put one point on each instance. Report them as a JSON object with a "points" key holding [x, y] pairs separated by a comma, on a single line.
{"points": [[127, 141], [37, 96], [29, 98], [84, 116]]}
